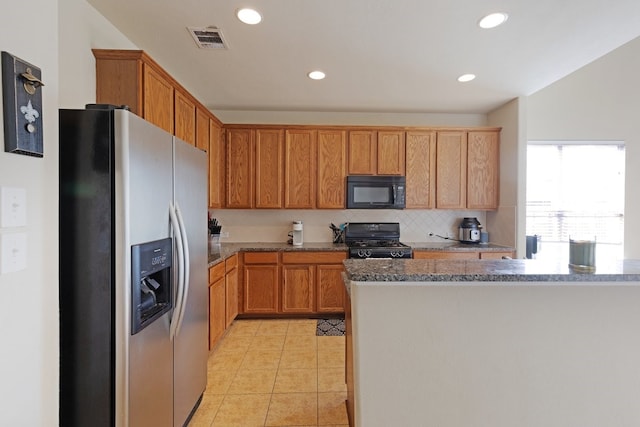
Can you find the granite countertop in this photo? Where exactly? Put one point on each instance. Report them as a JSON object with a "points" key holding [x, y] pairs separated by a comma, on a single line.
{"points": [[219, 252], [516, 270], [454, 246]]}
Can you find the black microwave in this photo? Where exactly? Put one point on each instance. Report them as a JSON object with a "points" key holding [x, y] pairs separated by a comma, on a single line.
{"points": [[376, 192]]}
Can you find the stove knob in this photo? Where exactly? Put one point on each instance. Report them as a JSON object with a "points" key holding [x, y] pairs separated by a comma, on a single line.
{"points": [[362, 253], [367, 253]]}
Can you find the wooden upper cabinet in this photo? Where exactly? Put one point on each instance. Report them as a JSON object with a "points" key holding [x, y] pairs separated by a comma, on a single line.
{"points": [[119, 79], [451, 170], [240, 177], [269, 168], [391, 153], [133, 78], [483, 160], [185, 118], [216, 154], [332, 169], [158, 99], [202, 129], [421, 170], [300, 167], [363, 152]]}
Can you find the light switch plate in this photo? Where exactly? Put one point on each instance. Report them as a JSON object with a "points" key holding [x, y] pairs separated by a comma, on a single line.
{"points": [[13, 252], [13, 207]]}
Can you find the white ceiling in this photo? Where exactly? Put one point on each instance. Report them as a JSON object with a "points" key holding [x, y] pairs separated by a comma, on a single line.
{"points": [[379, 55]]}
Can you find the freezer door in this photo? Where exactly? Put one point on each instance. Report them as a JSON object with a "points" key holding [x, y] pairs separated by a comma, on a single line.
{"points": [[190, 343], [144, 191]]}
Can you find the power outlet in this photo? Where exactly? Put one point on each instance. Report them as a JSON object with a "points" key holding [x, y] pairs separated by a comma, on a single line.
{"points": [[224, 234]]}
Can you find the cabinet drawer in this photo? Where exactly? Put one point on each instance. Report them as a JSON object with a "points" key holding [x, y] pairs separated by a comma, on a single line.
{"points": [[231, 263], [216, 273], [445, 255], [305, 257], [495, 255], [261, 257]]}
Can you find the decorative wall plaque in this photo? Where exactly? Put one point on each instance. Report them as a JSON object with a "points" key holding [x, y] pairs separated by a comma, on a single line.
{"points": [[22, 106]]}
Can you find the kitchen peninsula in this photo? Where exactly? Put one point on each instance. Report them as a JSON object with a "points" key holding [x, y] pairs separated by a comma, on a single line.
{"points": [[492, 343]]}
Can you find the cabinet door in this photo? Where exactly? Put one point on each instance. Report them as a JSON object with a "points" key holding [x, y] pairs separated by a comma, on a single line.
{"points": [[185, 118], [483, 159], [451, 170], [391, 153], [298, 287], [300, 161], [202, 129], [217, 323], [363, 154], [260, 290], [240, 176], [231, 293], [269, 154], [158, 99], [216, 165], [331, 292], [332, 169], [420, 170]]}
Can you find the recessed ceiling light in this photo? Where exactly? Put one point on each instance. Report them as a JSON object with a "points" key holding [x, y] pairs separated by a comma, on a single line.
{"points": [[316, 75], [249, 16], [466, 78], [493, 20]]}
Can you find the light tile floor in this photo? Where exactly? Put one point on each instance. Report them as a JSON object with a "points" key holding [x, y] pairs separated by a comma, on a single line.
{"points": [[275, 373]]}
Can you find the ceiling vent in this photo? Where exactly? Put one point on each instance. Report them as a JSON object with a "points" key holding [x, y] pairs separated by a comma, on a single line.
{"points": [[208, 37]]}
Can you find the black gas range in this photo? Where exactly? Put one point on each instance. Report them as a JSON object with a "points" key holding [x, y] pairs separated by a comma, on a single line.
{"points": [[375, 240]]}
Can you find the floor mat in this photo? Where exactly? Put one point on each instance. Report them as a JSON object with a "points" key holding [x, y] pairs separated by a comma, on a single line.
{"points": [[330, 327]]}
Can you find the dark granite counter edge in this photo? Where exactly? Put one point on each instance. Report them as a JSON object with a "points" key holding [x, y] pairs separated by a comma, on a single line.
{"points": [[486, 271], [494, 278], [220, 252]]}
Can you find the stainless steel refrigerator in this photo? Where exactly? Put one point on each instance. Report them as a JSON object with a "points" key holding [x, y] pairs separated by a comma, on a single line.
{"points": [[133, 271]]}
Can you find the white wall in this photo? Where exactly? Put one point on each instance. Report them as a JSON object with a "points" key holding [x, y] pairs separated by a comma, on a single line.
{"points": [[82, 28], [598, 102], [29, 298], [350, 118], [508, 221]]}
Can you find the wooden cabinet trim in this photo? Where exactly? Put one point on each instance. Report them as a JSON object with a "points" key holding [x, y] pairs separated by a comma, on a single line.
{"points": [[231, 262], [216, 272], [445, 255], [261, 257], [305, 257]]}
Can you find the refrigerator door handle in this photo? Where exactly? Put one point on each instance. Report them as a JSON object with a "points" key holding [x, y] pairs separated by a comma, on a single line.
{"points": [[186, 268], [177, 306]]}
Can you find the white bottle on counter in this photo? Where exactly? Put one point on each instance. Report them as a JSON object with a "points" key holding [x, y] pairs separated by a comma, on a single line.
{"points": [[297, 233]]}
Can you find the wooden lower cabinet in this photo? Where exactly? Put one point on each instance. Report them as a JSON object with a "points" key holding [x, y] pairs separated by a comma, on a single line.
{"points": [[231, 288], [298, 288], [331, 292], [349, 361], [461, 255], [293, 282], [444, 255], [217, 302], [261, 283], [496, 255]]}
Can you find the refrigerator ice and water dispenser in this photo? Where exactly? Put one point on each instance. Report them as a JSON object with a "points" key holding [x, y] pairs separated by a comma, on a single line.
{"points": [[151, 293]]}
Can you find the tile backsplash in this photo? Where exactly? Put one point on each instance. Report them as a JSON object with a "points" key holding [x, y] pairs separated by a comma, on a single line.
{"points": [[263, 225]]}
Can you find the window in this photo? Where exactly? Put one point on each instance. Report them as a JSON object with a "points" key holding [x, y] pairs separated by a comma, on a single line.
{"points": [[576, 190]]}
